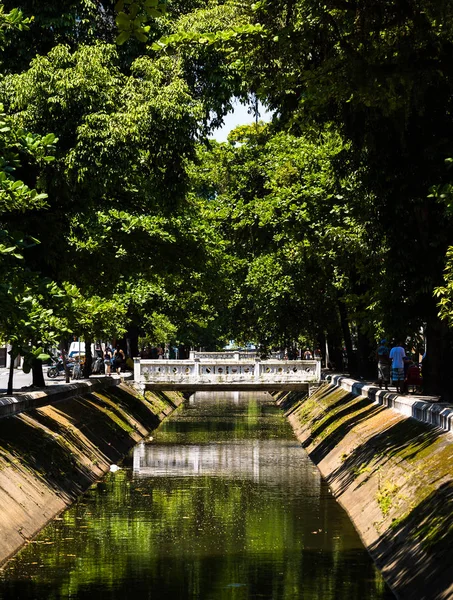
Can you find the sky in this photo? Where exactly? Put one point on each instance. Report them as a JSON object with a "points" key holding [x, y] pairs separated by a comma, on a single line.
{"points": [[239, 116]]}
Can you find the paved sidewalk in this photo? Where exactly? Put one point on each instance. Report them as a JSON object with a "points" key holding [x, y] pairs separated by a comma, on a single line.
{"points": [[22, 381]]}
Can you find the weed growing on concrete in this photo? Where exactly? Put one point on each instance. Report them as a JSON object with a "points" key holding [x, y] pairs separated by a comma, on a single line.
{"points": [[364, 468], [385, 497]]}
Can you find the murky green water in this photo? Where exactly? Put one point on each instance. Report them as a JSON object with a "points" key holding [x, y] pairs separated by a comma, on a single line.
{"points": [[222, 504]]}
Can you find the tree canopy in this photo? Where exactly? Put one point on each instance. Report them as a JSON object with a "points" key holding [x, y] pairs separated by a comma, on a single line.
{"points": [[332, 223]]}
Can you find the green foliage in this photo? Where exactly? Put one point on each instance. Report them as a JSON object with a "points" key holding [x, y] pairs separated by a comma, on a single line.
{"points": [[159, 329], [92, 316], [26, 320], [16, 147], [11, 21], [132, 18], [290, 229], [133, 250], [340, 212]]}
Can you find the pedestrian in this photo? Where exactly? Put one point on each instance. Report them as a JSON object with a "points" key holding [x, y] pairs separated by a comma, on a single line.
{"points": [[307, 354], [383, 360], [107, 360], [397, 356], [119, 358]]}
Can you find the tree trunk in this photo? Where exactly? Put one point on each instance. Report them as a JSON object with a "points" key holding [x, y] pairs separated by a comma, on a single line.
{"points": [[322, 346], [11, 373], [436, 368], [335, 353], [132, 342], [38, 375], [67, 374], [366, 364], [344, 322], [88, 358]]}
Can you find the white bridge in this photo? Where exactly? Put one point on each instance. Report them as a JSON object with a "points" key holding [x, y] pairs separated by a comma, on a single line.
{"points": [[210, 371]]}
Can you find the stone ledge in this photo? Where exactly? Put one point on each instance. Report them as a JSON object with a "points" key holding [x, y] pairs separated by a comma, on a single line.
{"points": [[21, 401], [425, 409]]}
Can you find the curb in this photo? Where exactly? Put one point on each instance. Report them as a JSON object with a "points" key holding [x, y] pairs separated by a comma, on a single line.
{"points": [[13, 405], [425, 409]]}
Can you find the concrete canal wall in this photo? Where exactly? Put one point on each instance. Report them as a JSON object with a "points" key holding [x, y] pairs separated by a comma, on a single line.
{"points": [[56, 443], [392, 473]]}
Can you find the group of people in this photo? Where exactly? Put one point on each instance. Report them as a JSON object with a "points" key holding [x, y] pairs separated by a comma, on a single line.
{"points": [[395, 366], [160, 352], [307, 354], [114, 359]]}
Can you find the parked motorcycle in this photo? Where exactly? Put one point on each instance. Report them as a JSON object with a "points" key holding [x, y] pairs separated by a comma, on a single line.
{"points": [[58, 368]]}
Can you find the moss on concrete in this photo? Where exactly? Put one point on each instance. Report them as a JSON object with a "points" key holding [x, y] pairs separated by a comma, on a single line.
{"points": [[50, 454], [393, 475]]}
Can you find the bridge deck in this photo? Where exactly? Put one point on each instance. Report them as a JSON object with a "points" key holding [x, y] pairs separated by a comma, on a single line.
{"points": [[229, 387]]}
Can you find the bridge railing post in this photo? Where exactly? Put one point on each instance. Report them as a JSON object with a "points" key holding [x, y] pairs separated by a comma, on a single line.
{"points": [[257, 368], [196, 370], [137, 373], [318, 369]]}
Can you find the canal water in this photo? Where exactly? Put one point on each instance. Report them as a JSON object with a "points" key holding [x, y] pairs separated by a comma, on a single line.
{"points": [[221, 504]]}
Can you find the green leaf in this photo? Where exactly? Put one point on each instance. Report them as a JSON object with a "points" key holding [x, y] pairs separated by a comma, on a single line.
{"points": [[123, 20], [123, 37], [140, 35]]}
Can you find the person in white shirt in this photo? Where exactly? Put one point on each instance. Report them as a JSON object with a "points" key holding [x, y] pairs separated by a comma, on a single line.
{"points": [[397, 356]]}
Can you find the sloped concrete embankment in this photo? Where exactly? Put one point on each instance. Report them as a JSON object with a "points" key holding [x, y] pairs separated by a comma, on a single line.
{"points": [[52, 453], [394, 477]]}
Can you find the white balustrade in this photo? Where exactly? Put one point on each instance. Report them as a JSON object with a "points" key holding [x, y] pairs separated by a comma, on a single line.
{"points": [[224, 371]]}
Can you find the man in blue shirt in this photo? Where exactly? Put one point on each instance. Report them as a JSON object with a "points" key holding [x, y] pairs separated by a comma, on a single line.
{"points": [[397, 356]]}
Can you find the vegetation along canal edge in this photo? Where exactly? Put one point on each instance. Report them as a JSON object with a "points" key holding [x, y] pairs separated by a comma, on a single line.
{"points": [[392, 474]]}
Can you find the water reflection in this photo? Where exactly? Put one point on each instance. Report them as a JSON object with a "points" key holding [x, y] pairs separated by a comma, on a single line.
{"points": [[222, 504], [269, 462]]}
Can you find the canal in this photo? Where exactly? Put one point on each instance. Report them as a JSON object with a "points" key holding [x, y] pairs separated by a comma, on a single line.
{"points": [[221, 503]]}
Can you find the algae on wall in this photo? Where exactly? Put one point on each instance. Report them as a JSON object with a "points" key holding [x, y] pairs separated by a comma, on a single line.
{"points": [[393, 475], [49, 455]]}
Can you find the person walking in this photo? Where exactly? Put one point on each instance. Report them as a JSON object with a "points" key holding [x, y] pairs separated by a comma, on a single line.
{"points": [[383, 360], [119, 358], [107, 361], [397, 356]]}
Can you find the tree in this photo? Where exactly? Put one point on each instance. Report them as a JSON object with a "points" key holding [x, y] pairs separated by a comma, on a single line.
{"points": [[29, 325], [381, 74], [130, 228], [292, 231], [25, 320]]}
